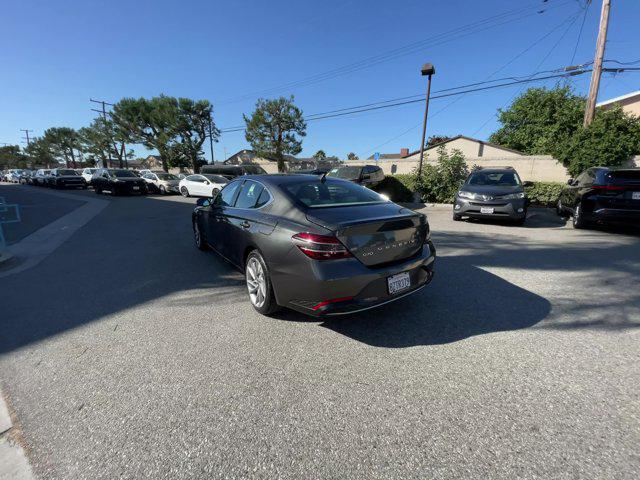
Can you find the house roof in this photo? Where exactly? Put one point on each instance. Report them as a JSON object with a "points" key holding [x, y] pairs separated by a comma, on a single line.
{"points": [[619, 99], [387, 156], [494, 145]]}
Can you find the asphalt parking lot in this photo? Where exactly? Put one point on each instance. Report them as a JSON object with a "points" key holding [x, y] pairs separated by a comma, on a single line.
{"points": [[128, 353]]}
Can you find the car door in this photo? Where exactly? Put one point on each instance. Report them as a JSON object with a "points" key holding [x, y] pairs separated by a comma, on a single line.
{"points": [[215, 222], [246, 221]]}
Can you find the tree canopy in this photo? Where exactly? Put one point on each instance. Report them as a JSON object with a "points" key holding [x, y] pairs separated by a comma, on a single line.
{"points": [[64, 144], [549, 122], [274, 128], [352, 156]]}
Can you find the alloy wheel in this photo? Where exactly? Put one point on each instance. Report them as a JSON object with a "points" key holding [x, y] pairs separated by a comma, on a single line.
{"points": [[184, 192], [256, 282]]}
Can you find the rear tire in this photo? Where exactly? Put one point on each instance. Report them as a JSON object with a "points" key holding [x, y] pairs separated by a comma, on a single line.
{"points": [[578, 220], [97, 190], [259, 284], [184, 192], [199, 238], [560, 210]]}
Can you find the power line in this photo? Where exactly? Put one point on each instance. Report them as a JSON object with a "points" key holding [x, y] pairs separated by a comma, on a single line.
{"points": [[324, 115], [513, 59], [453, 34], [584, 18]]}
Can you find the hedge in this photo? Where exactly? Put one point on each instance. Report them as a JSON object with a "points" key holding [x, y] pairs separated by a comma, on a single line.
{"points": [[400, 188], [545, 194]]}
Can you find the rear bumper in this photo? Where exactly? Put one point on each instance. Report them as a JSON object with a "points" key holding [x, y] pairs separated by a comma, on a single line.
{"points": [[622, 215], [515, 209], [340, 287]]}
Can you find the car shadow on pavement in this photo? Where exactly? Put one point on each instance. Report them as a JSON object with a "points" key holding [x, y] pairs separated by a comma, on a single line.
{"points": [[461, 302]]}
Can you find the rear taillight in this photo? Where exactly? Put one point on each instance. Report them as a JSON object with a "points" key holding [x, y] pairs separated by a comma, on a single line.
{"points": [[607, 188], [320, 247]]}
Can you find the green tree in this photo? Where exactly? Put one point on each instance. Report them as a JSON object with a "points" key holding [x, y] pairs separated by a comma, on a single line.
{"points": [[12, 157], [64, 143], [194, 124], [97, 140], [440, 182], [150, 122], [352, 156], [435, 139], [41, 152], [610, 140], [320, 155], [540, 119], [274, 128]]}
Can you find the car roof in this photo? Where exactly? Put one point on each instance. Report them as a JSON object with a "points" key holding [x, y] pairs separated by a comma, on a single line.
{"points": [[286, 178]]}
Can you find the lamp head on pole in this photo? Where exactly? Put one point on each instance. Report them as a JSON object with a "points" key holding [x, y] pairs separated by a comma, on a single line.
{"points": [[428, 69]]}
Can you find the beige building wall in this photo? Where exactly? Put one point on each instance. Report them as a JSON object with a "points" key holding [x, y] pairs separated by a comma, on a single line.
{"points": [[629, 105], [470, 148], [536, 168]]}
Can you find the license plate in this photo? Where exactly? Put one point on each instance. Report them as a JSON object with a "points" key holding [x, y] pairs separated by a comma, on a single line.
{"points": [[398, 282], [486, 210], [635, 195], [136, 188]]}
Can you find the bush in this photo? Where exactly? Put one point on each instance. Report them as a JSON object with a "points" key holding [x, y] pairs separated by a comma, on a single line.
{"points": [[610, 141], [399, 188], [439, 183], [544, 194]]}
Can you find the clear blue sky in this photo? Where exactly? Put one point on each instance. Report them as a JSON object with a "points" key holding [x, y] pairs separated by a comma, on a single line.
{"points": [[58, 54]]}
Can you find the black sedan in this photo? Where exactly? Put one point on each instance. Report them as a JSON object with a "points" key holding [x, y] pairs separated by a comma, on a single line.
{"points": [[118, 182], [320, 246], [65, 178], [602, 195]]}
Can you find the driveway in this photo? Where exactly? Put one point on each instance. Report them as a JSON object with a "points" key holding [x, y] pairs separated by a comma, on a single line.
{"points": [[128, 353]]}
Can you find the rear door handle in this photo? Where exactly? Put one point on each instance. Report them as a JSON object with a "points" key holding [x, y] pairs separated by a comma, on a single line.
{"points": [[245, 224]]}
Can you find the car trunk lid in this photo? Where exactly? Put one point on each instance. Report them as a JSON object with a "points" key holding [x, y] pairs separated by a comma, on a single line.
{"points": [[374, 234]]}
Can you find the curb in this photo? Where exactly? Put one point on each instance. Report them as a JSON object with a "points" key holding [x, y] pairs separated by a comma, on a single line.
{"points": [[14, 464]]}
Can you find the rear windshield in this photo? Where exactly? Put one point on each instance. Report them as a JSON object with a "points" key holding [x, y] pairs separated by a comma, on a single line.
{"points": [[254, 169], [215, 178], [166, 176], [122, 173], [316, 194], [623, 176], [67, 172], [347, 173], [495, 179]]}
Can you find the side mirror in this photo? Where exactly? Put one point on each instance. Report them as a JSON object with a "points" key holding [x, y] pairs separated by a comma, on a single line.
{"points": [[207, 182], [570, 182], [527, 184], [203, 202]]}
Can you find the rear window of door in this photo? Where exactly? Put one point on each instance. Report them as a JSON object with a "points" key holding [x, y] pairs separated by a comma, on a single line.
{"points": [[249, 195], [227, 195]]}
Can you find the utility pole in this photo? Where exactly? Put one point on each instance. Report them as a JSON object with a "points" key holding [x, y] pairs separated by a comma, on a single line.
{"points": [[104, 115], [594, 86], [213, 161], [26, 132]]}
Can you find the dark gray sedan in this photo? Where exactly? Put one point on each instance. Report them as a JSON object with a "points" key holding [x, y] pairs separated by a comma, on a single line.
{"points": [[320, 246]]}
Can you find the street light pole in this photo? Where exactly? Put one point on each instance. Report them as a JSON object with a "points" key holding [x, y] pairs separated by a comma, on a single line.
{"points": [[427, 69]]}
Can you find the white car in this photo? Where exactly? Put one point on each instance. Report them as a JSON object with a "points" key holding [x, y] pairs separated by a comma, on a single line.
{"points": [[87, 173], [202, 185], [163, 183]]}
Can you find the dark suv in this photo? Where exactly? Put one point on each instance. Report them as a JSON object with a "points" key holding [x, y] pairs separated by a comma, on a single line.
{"points": [[492, 193], [366, 175], [232, 171], [602, 194]]}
